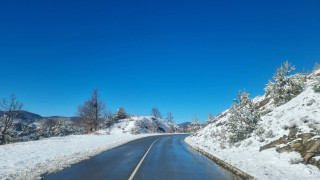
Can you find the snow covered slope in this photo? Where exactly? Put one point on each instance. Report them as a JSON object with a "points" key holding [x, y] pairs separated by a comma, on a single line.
{"points": [[28, 160], [142, 125], [280, 129]]}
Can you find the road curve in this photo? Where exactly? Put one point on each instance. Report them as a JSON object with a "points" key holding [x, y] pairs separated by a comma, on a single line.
{"points": [[168, 158]]}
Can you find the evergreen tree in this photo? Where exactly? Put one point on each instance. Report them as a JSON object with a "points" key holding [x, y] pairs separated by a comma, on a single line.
{"points": [[120, 114], [284, 87], [243, 118], [316, 67]]}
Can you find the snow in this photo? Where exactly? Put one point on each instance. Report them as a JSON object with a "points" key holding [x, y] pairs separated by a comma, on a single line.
{"points": [[303, 112], [28, 160], [141, 125], [267, 164]]}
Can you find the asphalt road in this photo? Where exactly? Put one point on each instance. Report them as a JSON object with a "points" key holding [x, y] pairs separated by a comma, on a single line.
{"points": [[168, 158]]}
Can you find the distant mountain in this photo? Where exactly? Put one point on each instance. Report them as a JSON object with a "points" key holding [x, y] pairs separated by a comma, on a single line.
{"points": [[26, 117], [184, 124]]}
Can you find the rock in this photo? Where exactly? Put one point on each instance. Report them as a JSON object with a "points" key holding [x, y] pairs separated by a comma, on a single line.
{"points": [[284, 149], [306, 146], [282, 140], [262, 103], [315, 162], [305, 137], [292, 133], [306, 157], [312, 148], [296, 146]]}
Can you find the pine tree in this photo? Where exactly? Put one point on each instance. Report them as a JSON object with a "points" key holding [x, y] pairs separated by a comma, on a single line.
{"points": [[284, 87], [243, 118], [316, 67], [120, 114]]}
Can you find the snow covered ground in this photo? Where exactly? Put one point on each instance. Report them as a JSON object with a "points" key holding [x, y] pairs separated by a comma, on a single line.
{"points": [[267, 164], [302, 112], [28, 160]]}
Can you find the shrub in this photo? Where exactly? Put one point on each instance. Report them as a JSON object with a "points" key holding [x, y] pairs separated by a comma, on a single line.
{"points": [[243, 118], [316, 85]]}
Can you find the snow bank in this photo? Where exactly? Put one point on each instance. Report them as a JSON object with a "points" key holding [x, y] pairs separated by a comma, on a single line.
{"points": [[267, 164], [28, 160]]}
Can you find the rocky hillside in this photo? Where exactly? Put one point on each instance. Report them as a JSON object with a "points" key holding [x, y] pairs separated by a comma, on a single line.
{"points": [[284, 142]]}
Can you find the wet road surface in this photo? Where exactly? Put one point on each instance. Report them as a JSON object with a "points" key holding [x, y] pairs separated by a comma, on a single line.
{"points": [[168, 158]]}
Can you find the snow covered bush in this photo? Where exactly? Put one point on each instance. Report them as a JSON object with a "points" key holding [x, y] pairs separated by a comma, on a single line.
{"points": [[285, 86], [316, 85], [243, 118], [55, 127]]}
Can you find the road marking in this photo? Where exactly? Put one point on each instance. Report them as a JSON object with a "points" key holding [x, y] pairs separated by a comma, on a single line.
{"points": [[136, 169]]}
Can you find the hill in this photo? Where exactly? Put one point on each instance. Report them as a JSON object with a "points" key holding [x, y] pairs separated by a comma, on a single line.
{"points": [[284, 144], [25, 117], [141, 125]]}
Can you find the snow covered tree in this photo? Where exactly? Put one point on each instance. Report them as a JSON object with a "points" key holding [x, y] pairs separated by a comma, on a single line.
{"points": [[48, 124], [316, 67], [10, 108], [120, 114], [169, 117], [243, 118], [91, 112], [284, 87], [156, 113], [55, 127], [109, 119]]}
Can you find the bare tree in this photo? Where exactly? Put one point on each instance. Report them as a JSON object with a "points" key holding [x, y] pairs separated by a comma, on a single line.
{"points": [[210, 115], [171, 123], [156, 113], [10, 108], [92, 111], [195, 120], [169, 117]]}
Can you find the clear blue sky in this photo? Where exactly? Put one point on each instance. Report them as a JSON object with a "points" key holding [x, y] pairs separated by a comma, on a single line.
{"points": [[185, 57]]}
